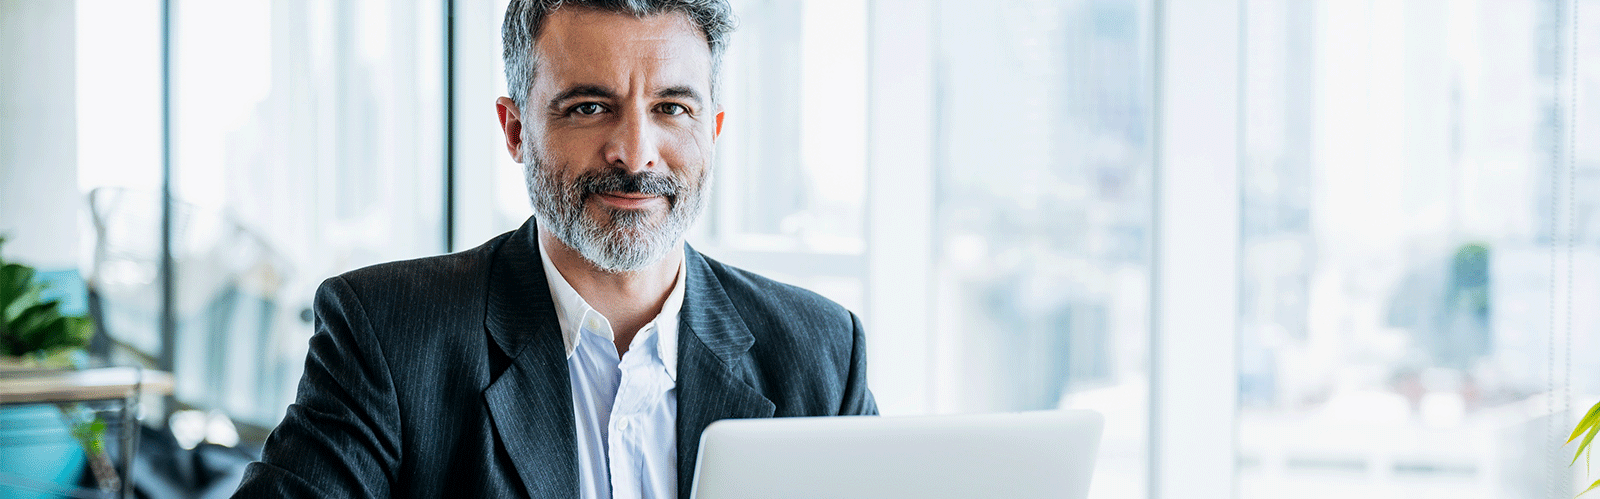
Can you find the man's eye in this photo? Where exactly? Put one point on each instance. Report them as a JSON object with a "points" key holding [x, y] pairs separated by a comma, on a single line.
{"points": [[671, 109], [588, 108]]}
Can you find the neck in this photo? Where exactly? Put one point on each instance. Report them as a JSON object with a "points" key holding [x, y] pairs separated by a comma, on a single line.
{"points": [[629, 300]]}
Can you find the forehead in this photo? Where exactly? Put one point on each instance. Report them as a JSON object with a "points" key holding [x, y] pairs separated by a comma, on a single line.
{"points": [[586, 46]]}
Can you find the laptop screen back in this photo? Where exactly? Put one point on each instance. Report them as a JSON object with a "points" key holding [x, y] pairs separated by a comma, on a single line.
{"points": [[1048, 454]]}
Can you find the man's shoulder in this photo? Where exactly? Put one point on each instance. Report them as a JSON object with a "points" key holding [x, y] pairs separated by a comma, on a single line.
{"points": [[807, 349]]}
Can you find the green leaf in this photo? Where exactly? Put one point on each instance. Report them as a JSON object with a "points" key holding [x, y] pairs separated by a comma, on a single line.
{"points": [[31, 326], [79, 331], [38, 327], [1591, 487], [1585, 444], [52, 336], [1590, 420], [91, 434], [17, 290], [64, 332], [27, 324]]}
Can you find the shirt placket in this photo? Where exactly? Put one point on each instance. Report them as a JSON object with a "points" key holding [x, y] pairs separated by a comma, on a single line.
{"points": [[627, 415]]}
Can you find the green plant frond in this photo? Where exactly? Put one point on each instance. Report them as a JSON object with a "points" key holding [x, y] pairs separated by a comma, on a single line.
{"points": [[39, 327], [79, 331], [1591, 487], [1589, 421], [1585, 445], [27, 324], [52, 336], [14, 276], [17, 290], [30, 325], [64, 333], [91, 434]]}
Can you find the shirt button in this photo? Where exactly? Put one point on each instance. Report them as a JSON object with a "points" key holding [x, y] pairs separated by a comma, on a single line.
{"points": [[623, 423]]}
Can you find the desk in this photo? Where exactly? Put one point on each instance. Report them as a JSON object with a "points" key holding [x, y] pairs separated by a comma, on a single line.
{"points": [[107, 397]]}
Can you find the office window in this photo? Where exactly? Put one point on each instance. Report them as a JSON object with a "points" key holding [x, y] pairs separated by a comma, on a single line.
{"points": [[118, 100], [1405, 194], [795, 162], [119, 137], [307, 141], [1042, 221], [791, 163]]}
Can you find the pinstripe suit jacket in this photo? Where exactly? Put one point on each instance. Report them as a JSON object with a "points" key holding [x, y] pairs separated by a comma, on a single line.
{"points": [[446, 376]]}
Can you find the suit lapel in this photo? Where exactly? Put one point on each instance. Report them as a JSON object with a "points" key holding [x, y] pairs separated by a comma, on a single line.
{"points": [[530, 403], [712, 340]]}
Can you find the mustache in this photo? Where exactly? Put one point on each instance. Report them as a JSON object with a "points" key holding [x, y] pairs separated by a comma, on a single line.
{"points": [[621, 181]]}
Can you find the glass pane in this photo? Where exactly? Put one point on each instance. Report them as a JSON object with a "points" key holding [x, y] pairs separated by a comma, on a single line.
{"points": [[119, 166], [791, 162], [308, 142], [1397, 214], [119, 94], [1043, 217], [792, 158]]}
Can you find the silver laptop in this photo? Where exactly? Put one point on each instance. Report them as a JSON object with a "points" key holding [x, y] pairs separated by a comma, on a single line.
{"points": [[1048, 454]]}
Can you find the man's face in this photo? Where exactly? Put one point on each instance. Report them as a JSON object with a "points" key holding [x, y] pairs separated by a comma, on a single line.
{"points": [[617, 132]]}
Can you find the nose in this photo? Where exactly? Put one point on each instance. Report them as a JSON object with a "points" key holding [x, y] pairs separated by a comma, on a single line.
{"points": [[633, 144]]}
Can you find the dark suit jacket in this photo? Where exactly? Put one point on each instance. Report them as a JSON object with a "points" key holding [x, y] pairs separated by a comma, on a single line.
{"points": [[447, 376]]}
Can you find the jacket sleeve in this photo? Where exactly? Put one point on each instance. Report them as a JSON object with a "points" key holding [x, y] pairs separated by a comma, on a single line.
{"points": [[857, 398], [341, 436]]}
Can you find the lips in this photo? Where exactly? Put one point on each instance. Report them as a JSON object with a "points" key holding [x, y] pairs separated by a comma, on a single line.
{"points": [[628, 200], [627, 195]]}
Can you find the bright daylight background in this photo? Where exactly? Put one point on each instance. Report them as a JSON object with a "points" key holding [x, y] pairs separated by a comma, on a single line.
{"points": [[1416, 203]]}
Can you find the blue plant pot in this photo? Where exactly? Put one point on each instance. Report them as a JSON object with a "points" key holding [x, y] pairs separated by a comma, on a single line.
{"points": [[36, 446]]}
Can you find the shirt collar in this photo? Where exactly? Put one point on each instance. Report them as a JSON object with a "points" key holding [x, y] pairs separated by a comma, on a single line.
{"points": [[667, 320], [571, 309]]}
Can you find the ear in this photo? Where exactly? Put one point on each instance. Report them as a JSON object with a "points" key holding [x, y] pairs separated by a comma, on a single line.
{"points": [[511, 125], [718, 131]]}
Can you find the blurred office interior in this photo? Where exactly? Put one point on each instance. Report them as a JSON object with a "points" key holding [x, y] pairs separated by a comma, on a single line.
{"points": [[1290, 248]]}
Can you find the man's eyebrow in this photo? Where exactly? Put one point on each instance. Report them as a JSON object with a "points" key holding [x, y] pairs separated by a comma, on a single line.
{"points": [[582, 91], [679, 92]]}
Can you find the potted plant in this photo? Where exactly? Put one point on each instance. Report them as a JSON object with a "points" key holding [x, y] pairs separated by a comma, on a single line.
{"points": [[35, 335], [33, 332]]}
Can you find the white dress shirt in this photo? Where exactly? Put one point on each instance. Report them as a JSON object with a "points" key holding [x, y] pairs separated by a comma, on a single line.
{"points": [[626, 409]]}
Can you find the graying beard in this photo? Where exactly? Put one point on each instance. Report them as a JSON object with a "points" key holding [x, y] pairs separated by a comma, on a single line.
{"points": [[626, 241]]}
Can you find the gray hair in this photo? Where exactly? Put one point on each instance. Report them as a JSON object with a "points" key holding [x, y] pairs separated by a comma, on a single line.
{"points": [[525, 19]]}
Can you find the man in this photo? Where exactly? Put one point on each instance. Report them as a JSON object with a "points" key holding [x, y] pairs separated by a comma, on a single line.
{"points": [[582, 355]]}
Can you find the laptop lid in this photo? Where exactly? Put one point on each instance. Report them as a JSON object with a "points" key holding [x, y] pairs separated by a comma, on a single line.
{"points": [[1047, 454]]}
